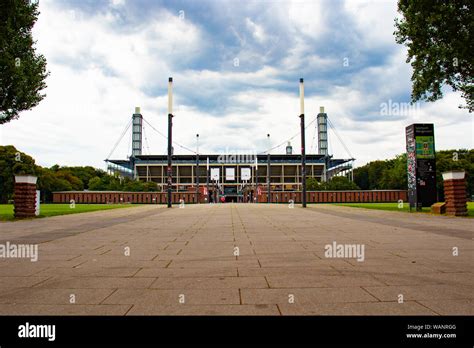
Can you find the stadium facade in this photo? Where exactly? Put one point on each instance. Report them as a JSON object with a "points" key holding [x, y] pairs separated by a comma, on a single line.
{"points": [[235, 176]]}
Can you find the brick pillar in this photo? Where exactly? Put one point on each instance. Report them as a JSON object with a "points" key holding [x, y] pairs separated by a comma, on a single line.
{"points": [[25, 196], [455, 193]]}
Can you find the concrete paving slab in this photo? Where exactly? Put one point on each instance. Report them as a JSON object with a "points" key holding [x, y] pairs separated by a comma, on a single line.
{"points": [[305, 295], [210, 283], [360, 308], [34, 309], [204, 310], [282, 252], [450, 307], [174, 297]]}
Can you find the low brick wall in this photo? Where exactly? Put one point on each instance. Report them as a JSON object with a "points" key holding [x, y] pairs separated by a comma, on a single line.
{"points": [[111, 197], [337, 196], [188, 197]]}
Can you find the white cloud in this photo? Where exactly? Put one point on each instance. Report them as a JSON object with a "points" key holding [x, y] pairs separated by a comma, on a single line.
{"points": [[375, 19], [100, 71], [307, 17], [117, 2], [256, 30]]}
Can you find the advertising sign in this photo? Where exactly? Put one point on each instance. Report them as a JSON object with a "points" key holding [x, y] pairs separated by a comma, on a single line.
{"points": [[230, 174]]}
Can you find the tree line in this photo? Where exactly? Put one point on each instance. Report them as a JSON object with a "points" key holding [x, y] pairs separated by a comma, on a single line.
{"points": [[392, 173], [376, 175], [57, 178]]}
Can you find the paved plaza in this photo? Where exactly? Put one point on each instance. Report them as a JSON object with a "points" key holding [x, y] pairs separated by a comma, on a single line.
{"points": [[240, 259]]}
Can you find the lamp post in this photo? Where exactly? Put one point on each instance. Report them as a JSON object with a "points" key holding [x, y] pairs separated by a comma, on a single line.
{"points": [[170, 134], [269, 197], [197, 168], [303, 150]]}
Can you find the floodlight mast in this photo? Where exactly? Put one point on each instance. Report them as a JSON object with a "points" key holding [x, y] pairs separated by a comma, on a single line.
{"points": [[170, 135], [197, 168], [269, 197], [303, 150]]}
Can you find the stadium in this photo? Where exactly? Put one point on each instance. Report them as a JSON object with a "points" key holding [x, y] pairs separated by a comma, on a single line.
{"points": [[237, 177]]}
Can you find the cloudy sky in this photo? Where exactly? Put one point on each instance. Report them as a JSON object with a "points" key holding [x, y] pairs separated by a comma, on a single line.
{"points": [[236, 67]]}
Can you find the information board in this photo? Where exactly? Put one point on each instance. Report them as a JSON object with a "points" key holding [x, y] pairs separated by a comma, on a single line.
{"points": [[421, 165]]}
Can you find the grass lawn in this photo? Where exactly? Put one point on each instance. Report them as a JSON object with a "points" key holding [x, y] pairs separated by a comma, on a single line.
{"points": [[6, 210], [394, 207]]}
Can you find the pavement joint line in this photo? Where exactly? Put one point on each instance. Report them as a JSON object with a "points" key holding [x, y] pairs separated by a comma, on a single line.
{"points": [[134, 274], [79, 265], [113, 292], [43, 281], [279, 310], [128, 311], [367, 291], [431, 309], [75, 257]]}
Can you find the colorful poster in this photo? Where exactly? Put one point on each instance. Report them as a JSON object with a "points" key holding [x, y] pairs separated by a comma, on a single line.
{"points": [[411, 159], [425, 147]]}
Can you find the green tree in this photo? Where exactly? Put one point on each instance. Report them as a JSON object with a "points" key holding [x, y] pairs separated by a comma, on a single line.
{"points": [[13, 162], [361, 177], [113, 183], [394, 176], [337, 183], [85, 173], [447, 160], [150, 186], [95, 184], [312, 184], [22, 70], [341, 183], [439, 37], [375, 172], [76, 183]]}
